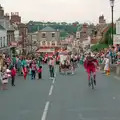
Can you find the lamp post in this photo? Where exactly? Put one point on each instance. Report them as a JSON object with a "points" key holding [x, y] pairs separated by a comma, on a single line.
{"points": [[112, 6]]}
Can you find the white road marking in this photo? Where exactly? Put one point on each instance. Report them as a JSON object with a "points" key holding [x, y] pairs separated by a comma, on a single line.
{"points": [[53, 81], [56, 70], [45, 111], [51, 90]]}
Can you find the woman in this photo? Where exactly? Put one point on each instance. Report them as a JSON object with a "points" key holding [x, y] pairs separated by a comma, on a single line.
{"points": [[107, 65]]}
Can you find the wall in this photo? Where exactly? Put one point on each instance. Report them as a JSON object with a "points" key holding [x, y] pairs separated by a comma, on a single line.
{"points": [[3, 38], [49, 36], [16, 34], [5, 23], [118, 27]]}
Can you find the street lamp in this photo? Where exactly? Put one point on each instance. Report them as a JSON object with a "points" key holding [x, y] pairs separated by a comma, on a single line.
{"points": [[112, 6]]}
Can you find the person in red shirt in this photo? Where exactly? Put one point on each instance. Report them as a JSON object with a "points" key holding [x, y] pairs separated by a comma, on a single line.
{"points": [[90, 65], [13, 74], [25, 71]]}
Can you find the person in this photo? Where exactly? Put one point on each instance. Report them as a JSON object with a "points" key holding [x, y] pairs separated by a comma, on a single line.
{"points": [[107, 65], [33, 70], [91, 65], [13, 74], [51, 64], [25, 71], [4, 79], [40, 72]]}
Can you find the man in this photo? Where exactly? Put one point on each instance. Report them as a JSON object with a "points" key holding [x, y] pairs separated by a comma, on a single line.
{"points": [[51, 64], [91, 65]]}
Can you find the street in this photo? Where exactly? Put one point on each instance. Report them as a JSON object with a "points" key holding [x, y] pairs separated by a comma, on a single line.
{"points": [[68, 97]]}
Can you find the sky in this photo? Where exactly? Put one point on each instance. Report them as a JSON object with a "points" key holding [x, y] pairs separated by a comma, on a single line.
{"points": [[62, 10]]}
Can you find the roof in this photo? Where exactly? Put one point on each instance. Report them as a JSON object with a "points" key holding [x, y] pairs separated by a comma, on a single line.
{"points": [[2, 28], [118, 19], [48, 29]]}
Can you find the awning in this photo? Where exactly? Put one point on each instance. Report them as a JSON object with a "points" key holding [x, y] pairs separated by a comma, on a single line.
{"points": [[45, 50]]}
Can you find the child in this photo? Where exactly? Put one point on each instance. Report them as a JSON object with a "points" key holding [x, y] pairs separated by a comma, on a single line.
{"points": [[40, 72], [33, 70], [13, 74]]}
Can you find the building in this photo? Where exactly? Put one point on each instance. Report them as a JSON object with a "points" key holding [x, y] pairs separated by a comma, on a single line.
{"points": [[3, 39], [5, 23], [23, 34], [1, 11], [48, 34], [117, 36], [49, 40], [102, 20], [118, 26], [15, 18], [32, 42]]}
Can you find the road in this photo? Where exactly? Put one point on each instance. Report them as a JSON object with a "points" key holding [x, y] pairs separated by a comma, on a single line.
{"points": [[66, 98]]}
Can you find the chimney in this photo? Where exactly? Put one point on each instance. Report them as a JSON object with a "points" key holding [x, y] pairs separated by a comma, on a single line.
{"points": [[7, 17], [1, 11]]}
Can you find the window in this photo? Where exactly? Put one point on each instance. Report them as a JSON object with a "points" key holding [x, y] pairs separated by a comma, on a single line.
{"points": [[4, 42], [35, 42], [53, 34], [43, 43], [53, 43], [48, 43], [1, 42], [43, 35]]}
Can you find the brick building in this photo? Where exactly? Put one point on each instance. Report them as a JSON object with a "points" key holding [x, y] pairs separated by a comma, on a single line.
{"points": [[15, 18]]}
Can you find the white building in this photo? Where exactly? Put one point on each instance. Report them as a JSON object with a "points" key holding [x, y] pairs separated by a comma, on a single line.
{"points": [[3, 38], [87, 42], [116, 39], [5, 23], [118, 27]]}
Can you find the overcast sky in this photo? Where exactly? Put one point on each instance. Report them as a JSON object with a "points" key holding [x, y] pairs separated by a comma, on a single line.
{"points": [[62, 10]]}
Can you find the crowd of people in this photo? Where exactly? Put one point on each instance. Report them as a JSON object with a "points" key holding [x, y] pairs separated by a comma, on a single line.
{"points": [[32, 66], [10, 67]]}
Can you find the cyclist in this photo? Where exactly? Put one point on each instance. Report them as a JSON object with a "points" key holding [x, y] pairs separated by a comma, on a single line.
{"points": [[91, 65]]}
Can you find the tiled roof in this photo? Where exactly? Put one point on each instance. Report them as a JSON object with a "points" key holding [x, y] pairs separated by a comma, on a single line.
{"points": [[48, 29]]}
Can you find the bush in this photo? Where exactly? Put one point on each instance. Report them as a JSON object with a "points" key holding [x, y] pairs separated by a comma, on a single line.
{"points": [[99, 47]]}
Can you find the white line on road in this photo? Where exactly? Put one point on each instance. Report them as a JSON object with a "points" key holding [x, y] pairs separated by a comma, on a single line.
{"points": [[45, 111], [53, 81], [51, 90]]}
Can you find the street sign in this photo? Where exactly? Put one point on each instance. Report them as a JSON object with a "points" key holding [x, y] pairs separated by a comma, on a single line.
{"points": [[116, 39]]}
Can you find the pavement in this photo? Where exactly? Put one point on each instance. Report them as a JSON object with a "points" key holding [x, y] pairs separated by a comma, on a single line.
{"points": [[67, 97]]}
